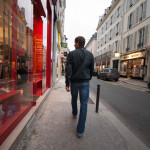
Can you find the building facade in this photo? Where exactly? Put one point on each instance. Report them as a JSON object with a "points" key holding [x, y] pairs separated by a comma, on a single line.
{"points": [[26, 43], [135, 58], [92, 44], [124, 30], [109, 36], [59, 38]]}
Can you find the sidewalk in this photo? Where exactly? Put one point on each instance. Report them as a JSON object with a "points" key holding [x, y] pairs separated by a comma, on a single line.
{"points": [[54, 128], [135, 82]]}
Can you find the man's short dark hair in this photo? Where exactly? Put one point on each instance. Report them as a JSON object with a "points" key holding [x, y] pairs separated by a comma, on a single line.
{"points": [[81, 40]]}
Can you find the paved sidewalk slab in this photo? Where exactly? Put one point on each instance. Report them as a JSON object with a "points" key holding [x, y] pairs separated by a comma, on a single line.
{"points": [[54, 128]]}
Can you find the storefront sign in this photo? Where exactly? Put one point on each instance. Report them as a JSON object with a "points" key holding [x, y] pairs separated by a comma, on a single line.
{"points": [[64, 45], [133, 56]]}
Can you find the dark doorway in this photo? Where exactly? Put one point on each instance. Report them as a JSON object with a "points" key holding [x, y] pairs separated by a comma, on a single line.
{"points": [[115, 64]]}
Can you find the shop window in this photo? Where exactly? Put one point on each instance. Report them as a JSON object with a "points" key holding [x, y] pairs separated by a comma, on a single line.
{"points": [[16, 65], [123, 68]]}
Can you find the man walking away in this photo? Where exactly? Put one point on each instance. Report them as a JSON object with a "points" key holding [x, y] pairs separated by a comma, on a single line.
{"points": [[79, 70]]}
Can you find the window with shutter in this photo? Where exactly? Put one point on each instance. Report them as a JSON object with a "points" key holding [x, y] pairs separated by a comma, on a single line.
{"points": [[115, 16], [144, 9], [124, 44], [127, 4], [111, 20], [128, 23], [131, 39], [120, 27], [131, 2], [116, 43], [113, 32], [118, 12], [110, 34], [137, 14], [121, 10], [141, 38], [117, 29], [130, 20], [128, 43], [133, 18], [146, 35], [135, 40], [105, 38]]}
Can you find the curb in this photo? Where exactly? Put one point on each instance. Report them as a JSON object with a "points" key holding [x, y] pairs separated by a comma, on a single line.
{"points": [[133, 84]]}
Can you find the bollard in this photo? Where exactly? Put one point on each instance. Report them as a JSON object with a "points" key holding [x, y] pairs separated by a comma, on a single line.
{"points": [[97, 98]]}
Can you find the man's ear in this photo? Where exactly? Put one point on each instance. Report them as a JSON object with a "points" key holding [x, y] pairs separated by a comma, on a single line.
{"points": [[78, 44]]}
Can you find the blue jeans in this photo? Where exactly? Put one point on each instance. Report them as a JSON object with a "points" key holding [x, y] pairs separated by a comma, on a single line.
{"points": [[83, 89]]}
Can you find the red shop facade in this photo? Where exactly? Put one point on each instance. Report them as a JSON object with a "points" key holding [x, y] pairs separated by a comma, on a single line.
{"points": [[25, 58]]}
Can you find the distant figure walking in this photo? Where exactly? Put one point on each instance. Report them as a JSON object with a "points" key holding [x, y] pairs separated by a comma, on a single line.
{"points": [[79, 70]]}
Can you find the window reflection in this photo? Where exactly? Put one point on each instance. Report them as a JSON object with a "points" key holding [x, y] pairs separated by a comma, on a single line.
{"points": [[16, 59]]}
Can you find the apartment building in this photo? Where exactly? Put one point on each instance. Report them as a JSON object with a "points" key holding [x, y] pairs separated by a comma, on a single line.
{"points": [[124, 30], [109, 37], [135, 52], [92, 44]]}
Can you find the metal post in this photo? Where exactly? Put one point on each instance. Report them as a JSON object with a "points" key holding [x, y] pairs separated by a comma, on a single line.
{"points": [[97, 98]]}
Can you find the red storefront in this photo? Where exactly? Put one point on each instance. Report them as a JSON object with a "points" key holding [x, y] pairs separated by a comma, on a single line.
{"points": [[25, 58]]}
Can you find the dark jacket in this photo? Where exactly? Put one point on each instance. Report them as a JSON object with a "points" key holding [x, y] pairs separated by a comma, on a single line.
{"points": [[74, 72]]}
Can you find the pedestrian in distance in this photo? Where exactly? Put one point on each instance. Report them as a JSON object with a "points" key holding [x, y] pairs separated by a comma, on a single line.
{"points": [[79, 70]]}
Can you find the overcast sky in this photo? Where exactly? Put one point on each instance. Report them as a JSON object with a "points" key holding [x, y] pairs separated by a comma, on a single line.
{"points": [[81, 18]]}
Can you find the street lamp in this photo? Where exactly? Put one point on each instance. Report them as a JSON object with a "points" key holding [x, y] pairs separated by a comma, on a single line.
{"points": [[117, 54]]}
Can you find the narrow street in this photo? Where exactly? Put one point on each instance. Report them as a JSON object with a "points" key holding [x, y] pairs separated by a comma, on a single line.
{"points": [[132, 103]]}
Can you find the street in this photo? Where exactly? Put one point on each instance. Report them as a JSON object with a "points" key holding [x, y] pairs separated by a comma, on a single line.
{"points": [[131, 103]]}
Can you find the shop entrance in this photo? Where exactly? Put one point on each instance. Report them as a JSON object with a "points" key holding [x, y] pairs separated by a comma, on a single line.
{"points": [[132, 68], [115, 64]]}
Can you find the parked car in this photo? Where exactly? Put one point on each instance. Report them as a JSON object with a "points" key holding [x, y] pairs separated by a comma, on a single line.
{"points": [[108, 74]]}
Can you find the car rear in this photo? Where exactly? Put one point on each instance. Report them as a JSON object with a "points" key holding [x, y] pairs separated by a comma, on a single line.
{"points": [[113, 74]]}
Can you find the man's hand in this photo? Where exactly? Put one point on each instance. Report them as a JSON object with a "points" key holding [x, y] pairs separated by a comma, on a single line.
{"points": [[67, 89]]}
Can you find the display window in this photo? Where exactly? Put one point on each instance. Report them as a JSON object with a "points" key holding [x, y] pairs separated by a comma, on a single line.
{"points": [[137, 69], [132, 68], [123, 68], [16, 60], [25, 34], [44, 53]]}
